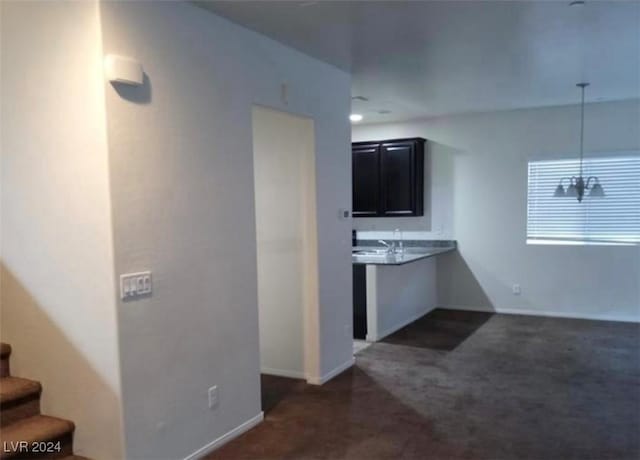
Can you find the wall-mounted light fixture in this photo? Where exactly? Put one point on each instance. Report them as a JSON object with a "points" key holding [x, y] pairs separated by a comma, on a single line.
{"points": [[120, 69]]}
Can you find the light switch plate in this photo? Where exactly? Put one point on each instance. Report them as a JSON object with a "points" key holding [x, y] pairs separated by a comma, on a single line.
{"points": [[133, 285]]}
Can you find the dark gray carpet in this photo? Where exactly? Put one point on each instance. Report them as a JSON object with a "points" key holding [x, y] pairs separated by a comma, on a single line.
{"points": [[486, 387], [440, 329]]}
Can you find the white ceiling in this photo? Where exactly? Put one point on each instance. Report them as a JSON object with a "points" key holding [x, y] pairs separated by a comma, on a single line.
{"points": [[429, 58]]}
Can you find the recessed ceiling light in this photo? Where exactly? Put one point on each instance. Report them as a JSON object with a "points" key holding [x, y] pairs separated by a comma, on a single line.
{"points": [[360, 98], [355, 117]]}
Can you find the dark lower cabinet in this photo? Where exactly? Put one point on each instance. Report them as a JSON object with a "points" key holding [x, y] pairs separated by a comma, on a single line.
{"points": [[359, 302], [388, 178]]}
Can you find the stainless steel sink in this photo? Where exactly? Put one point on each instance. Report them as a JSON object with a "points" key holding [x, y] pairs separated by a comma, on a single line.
{"points": [[370, 252], [361, 257]]}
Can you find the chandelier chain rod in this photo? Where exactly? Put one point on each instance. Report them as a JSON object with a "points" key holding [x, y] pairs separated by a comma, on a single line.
{"points": [[582, 129]]}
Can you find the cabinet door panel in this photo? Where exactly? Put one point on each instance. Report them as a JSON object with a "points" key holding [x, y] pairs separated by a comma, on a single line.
{"points": [[398, 173], [366, 180], [359, 302]]}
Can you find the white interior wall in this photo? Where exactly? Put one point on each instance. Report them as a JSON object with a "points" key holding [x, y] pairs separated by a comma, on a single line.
{"points": [[398, 295], [58, 299], [183, 207], [484, 158], [283, 157]]}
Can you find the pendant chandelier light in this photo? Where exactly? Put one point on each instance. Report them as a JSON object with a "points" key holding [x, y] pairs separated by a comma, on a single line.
{"points": [[578, 185]]}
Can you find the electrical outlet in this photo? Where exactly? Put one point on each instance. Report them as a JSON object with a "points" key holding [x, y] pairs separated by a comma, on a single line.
{"points": [[213, 397], [516, 289], [134, 285]]}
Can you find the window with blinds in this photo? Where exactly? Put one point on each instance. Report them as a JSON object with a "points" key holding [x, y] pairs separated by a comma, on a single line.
{"points": [[612, 219]]}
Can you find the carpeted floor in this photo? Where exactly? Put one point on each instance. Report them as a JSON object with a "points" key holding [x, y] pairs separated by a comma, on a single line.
{"points": [[457, 385]]}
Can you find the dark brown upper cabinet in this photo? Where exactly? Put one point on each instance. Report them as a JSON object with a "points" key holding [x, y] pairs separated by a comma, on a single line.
{"points": [[388, 178], [365, 170]]}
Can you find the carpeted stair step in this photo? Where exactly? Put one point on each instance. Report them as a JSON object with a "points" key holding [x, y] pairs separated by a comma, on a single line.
{"points": [[19, 398], [51, 434], [5, 352]]}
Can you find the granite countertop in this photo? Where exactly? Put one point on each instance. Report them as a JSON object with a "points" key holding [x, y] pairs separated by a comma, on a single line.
{"points": [[370, 252]]}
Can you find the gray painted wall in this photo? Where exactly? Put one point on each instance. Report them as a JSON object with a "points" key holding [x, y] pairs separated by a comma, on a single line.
{"points": [[183, 206]]}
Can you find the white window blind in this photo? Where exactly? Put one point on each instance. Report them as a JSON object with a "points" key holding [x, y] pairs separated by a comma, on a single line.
{"points": [[614, 218]]}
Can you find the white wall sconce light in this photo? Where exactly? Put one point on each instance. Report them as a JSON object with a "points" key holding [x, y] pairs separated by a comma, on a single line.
{"points": [[121, 69]]}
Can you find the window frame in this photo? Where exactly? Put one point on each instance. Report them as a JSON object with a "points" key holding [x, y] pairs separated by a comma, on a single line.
{"points": [[573, 241]]}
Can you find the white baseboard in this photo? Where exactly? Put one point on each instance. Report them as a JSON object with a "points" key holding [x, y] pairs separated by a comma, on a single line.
{"points": [[332, 373], [390, 330], [282, 373], [548, 313], [225, 438]]}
